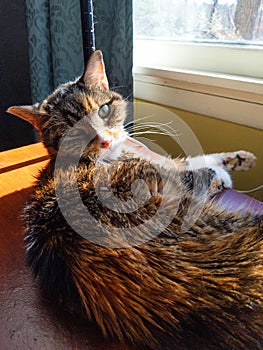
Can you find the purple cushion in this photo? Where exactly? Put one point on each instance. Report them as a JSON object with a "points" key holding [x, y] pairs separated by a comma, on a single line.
{"points": [[233, 200]]}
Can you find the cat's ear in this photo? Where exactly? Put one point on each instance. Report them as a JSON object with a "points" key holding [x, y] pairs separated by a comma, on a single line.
{"points": [[31, 114], [94, 73]]}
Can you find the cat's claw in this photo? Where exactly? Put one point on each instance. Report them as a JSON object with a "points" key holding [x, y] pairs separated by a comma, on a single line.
{"points": [[239, 161]]}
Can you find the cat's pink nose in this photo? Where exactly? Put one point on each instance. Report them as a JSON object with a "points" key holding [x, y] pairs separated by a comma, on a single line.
{"points": [[104, 142]]}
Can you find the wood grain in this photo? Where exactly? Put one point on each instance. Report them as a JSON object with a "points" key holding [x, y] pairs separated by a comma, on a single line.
{"points": [[21, 157]]}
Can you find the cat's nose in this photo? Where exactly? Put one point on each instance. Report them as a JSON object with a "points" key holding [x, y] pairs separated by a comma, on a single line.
{"points": [[104, 143]]}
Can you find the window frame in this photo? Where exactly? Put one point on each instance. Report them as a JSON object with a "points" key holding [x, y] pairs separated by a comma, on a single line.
{"points": [[205, 78]]}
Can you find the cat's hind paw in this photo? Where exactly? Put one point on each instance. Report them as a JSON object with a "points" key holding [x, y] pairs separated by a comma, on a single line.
{"points": [[238, 161]]}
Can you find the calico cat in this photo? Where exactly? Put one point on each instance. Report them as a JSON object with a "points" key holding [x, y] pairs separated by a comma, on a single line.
{"points": [[142, 280]]}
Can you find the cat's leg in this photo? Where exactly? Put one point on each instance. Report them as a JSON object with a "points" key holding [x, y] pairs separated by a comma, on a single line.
{"points": [[216, 164], [237, 161], [221, 163], [212, 180]]}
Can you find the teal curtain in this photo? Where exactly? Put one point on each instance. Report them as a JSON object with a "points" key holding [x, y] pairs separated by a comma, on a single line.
{"points": [[114, 36], [55, 44]]}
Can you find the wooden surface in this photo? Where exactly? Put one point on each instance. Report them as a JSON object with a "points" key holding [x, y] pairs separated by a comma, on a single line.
{"points": [[28, 321], [22, 157]]}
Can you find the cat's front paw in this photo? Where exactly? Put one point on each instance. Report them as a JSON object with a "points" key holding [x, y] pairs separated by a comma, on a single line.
{"points": [[219, 181], [239, 161]]}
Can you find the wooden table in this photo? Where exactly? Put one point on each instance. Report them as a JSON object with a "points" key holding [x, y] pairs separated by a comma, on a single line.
{"points": [[28, 321]]}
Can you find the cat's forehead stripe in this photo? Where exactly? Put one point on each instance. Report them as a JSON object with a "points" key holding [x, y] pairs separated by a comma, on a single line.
{"points": [[89, 103]]}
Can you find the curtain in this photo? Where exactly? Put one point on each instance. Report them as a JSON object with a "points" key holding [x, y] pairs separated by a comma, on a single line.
{"points": [[55, 44], [114, 36]]}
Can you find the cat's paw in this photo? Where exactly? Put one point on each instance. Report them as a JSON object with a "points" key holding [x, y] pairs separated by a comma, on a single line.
{"points": [[219, 181], [238, 161]]}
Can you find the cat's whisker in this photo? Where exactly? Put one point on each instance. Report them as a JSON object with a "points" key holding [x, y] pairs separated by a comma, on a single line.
{"points": [[146, 138], [127, 97], [138, 120], [150, 128], [157, 128], [129, 128], [155, 124], [117, 87], [150, 132], [127, 124], [151, 124], [158, 131], [170, 132], [142, 125]]}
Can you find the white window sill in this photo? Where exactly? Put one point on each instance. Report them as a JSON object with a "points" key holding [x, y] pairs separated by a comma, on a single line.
{"points": [[233, 98]]}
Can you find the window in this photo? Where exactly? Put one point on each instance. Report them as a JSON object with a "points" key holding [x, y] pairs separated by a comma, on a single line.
{"points": [[234, 21], [212, 48]]}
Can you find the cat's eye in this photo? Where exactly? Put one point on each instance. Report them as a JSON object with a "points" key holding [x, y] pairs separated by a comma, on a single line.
{"points": [[104, 111]]}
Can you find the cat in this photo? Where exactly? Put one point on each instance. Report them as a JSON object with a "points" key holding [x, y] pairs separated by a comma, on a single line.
{"points": [[143, 281]]}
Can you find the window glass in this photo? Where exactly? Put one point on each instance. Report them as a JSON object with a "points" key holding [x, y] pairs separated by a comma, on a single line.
{"points": [[219, 21]]}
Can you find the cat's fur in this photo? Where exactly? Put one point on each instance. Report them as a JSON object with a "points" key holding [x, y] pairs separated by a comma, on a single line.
{"points": [[199, 289]]}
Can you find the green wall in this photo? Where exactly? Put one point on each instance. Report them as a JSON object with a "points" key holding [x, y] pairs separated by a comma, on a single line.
{"points": [[214, 135]]}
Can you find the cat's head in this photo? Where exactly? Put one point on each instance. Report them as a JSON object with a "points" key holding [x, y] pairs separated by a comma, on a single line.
{"points": [[85, 108]]}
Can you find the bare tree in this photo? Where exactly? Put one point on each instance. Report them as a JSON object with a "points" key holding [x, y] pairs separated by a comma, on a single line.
{"points": [[246, 17], [213, 9]]}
